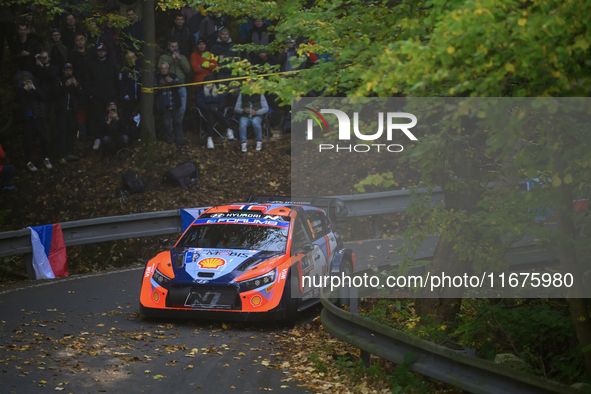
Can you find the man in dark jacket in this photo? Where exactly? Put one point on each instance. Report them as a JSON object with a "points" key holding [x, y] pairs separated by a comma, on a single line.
{"points": [[168, 102], [69, 97], [79, 57], [101, 87], [132, 33], [69, 31], [181, 34], [211, 103], [114, 131], [34, 117], [48, 82], [223, 50], [56, 49], [23, 49]]}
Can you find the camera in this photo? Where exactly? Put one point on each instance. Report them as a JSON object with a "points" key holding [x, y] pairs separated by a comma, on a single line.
{"points": [[176, 50], [113, 110]]}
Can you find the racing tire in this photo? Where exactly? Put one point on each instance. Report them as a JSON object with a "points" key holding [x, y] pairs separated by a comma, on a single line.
{"points": [[346, 267], [291, 310]]}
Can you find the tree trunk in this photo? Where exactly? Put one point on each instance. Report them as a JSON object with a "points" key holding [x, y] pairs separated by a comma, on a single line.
{"points": [[147, 128], [567, 252], [446, 301]]}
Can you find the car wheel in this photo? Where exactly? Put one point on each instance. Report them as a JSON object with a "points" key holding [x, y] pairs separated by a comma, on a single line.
{"points": [[291, 311], [346, 268]]}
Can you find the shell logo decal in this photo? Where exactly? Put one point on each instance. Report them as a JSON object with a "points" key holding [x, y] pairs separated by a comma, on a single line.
{"points": [[212, 263], [256, 300]]}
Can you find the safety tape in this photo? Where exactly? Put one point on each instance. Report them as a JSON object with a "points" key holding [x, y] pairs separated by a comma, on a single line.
{"points": [[151, 90]]}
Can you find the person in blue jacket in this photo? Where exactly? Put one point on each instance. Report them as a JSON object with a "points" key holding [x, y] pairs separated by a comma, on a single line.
{"points": [[211, 103]]}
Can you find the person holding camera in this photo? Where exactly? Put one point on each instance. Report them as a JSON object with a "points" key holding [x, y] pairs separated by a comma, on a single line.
{"points": [[69, 97], [114, 132], [34, 116], [180, 66]]}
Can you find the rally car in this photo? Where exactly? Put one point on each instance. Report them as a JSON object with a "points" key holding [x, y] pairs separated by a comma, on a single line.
{"points": [[249, 261]]}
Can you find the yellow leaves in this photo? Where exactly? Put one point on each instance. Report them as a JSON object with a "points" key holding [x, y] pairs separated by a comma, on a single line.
{"points": [[394, 90], [522, 22], [371, 84], [582, 43], [451, 50], [510, 67], [556, 181], [205, 64], [568, 179], [556, 74], [489, 64]]}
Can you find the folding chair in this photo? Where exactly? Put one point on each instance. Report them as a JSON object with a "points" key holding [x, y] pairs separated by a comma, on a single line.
{"points": [[203, 121]]}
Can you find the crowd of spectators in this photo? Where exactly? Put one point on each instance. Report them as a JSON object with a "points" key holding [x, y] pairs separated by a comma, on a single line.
{"points": [[77, 80]]}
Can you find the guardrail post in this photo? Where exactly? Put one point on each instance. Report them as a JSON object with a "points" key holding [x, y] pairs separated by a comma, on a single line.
{"points": [[29, 265], [354, 308], [374, 226]]}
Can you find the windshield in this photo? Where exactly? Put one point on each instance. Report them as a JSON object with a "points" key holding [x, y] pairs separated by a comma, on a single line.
{"points": [[235, 236]]}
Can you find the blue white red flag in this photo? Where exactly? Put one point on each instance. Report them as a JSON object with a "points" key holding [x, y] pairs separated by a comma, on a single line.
{"points": [[49, 251]]}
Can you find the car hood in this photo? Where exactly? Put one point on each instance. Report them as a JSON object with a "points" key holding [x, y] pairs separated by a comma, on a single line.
{"points": [[202, 265]]}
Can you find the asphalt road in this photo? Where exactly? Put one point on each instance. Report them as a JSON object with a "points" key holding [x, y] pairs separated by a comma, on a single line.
{"points": [[83, 335]]}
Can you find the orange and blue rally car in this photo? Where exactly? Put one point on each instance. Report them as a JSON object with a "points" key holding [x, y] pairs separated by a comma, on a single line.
{"points": [[259, 260]]}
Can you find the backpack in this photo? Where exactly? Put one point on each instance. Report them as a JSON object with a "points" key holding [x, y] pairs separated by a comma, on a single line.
{"points": [[133, 183], [185, 175]]}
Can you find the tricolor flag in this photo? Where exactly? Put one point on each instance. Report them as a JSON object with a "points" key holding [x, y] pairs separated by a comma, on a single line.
{"points": [[49, 251]]}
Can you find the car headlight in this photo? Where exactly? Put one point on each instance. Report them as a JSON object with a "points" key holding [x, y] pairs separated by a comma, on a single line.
{"points": [[259, 281], [160, 278]]}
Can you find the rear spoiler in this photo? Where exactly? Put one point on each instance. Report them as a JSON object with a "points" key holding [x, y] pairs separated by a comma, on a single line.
{"points": [[334, 208]]}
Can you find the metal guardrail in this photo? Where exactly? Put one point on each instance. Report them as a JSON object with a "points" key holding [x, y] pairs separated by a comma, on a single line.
{"points": [[456, 368], [88, 231]]}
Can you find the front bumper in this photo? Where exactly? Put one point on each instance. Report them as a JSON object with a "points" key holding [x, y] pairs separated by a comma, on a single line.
{"points": [[200, 314]]}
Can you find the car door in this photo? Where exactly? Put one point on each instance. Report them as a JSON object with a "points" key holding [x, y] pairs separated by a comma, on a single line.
{"points": [[318, 227], [300, 237]]}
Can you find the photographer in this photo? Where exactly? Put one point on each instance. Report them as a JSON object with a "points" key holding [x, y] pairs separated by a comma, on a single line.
{"points": [[34, 116], [69, 97], [114, 132], [180, 66]]}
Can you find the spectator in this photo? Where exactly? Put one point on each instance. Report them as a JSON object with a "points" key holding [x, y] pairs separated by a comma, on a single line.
{"points": [[194, 19], [6, 171], [223, 50], [211, 103], [179, 66], [259, 35], [109, 37], [33, 28], [133, 32], [69, 97], [34, 117], [182, 35], [252, 106], [69, 32], [102, 80], [210, 26], [130, 81], [56, 49], [48, 82], [114, 132], [290, 50], [24, 49], [261, 58], [79, 57], [202, 62], [168, 103]]}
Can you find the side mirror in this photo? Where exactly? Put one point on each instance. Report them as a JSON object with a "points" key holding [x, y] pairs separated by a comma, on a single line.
{"points": [[306, 248]]}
